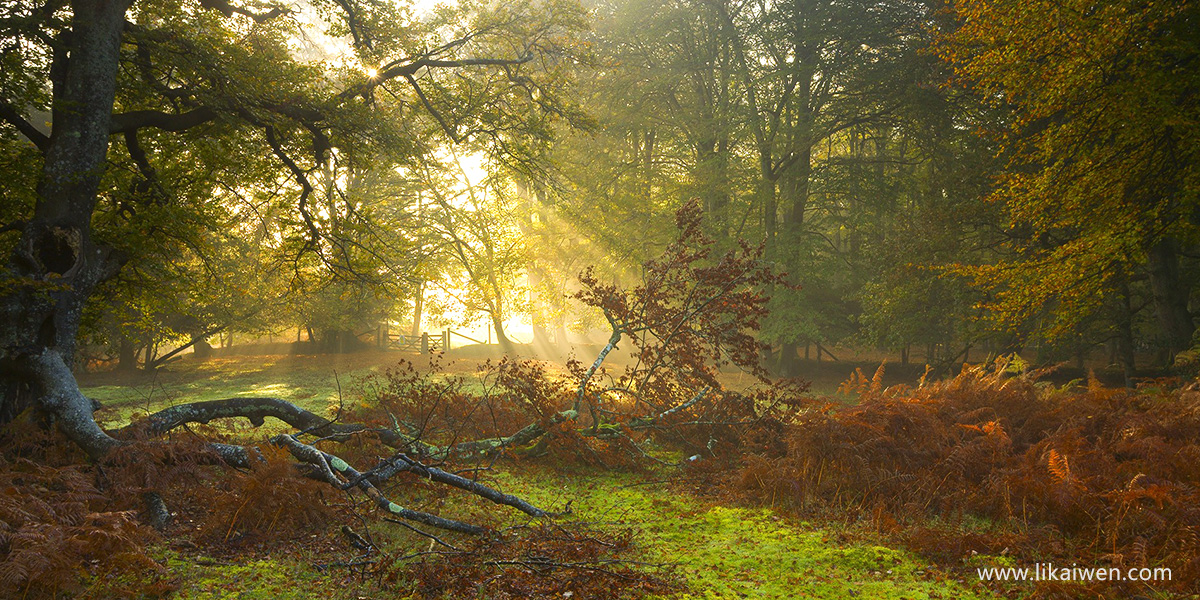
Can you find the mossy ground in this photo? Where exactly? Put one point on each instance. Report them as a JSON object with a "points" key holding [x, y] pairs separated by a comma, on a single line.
{"points": [[720, 552], [726, 552]]}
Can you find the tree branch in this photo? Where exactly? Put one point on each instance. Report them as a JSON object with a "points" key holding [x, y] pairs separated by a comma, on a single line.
{"points": [[409, 69], [256, 410], [327, 463], [402, 463], [228, 9], [301, 177], [613, 339], [10, 115], [434, 111], [132, 121], [195, 339]]}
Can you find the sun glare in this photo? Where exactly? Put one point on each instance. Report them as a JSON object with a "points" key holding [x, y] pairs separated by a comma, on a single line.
{"points": [[372, 73]]}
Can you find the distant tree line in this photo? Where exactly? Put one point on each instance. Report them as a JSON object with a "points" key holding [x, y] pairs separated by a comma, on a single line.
{"points": [[946, 179]]}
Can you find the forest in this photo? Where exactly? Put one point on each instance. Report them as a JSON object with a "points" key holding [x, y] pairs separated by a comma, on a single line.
{"points": [[658, 299]]}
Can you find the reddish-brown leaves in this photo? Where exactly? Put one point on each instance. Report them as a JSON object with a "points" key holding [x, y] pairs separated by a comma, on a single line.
{"points": [[1098, 475]]}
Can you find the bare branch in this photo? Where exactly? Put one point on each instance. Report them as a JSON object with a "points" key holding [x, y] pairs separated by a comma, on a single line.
{"points": [[434, 111], [411, 68], [402, 463], [327, 463], [228, 9], [301, 177], [132, 121], [10, 115]]}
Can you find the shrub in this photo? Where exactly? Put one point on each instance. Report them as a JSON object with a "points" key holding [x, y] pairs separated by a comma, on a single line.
{"points": [[1111, 472]]}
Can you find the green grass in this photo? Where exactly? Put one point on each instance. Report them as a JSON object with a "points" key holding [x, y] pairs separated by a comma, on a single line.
{"points": [[721, 552], [310, 382], [265, 578], [733, 552]]}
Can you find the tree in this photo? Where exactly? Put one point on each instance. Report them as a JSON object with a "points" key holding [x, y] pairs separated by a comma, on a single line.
{"points": [[694, 311], [821, 128], [192, 74], [666, 102], [480, 237], [1101, 188], [809, 73]]}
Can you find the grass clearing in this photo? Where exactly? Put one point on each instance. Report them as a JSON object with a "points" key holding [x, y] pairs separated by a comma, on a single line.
{"points": [[721, 552]]}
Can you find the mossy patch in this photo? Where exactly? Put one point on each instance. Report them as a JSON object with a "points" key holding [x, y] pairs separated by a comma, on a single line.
{"points": [[187, 577], [264, 578], [728, 552]]}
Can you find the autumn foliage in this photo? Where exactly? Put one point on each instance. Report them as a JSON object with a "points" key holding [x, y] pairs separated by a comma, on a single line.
{"points": [[1087, 475]]}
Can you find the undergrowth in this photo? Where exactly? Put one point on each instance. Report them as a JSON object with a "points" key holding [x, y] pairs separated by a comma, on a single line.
{"points": [[1091, 476], [74, 528]]}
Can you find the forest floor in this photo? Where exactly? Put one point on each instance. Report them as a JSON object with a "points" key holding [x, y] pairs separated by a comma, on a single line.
{"points": [[314, 381], [716, 549]]}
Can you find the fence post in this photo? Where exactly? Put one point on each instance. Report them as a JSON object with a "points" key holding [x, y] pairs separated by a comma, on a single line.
{"points": [[425, 342], [446, 340]]}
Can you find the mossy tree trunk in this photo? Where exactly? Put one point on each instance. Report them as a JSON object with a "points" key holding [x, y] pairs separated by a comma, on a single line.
{"points": [[56, 263]]}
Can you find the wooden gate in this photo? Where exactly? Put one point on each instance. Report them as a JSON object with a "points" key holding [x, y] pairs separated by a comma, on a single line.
{"points": [[424, 343]]}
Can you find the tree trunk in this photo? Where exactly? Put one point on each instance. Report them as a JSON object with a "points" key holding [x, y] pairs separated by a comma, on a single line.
{"points": [[1171, 294], [560, 335], [794, 189], [148, 361], [1125, 337], [505, 344], [127, 356], [55, 264], [418, 305], [770, 208], [789, 363], [537, 316]]}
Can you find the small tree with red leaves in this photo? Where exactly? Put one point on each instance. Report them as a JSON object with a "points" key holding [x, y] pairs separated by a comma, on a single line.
{"points": [[695, 311]]}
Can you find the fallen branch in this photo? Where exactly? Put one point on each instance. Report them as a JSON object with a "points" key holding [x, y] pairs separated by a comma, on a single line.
{"points": [[327, 464], [401, 463], [526, 435], [613, 340], [256, 410]]}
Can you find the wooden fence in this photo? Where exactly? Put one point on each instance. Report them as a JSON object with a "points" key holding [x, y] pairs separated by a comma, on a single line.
{"points": [[424, 343]]}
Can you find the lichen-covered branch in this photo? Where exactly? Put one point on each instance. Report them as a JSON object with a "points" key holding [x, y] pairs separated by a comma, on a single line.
{"points": [[327, 464], [587, 376], [256, 410], [526, 435], [402, 463]]}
